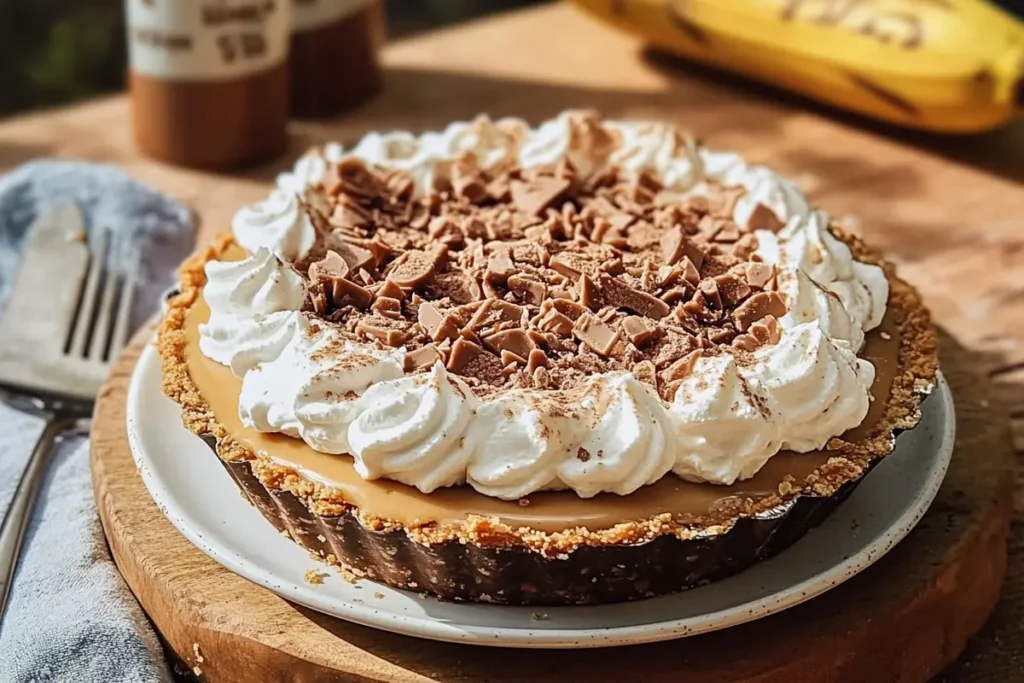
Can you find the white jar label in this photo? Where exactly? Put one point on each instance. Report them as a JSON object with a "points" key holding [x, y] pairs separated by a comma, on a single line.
{"points": [[310, 14], [207, 39]]}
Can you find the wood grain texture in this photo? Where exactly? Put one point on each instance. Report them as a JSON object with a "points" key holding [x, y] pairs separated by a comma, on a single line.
{"points": [[901, 620], [950, 211]]}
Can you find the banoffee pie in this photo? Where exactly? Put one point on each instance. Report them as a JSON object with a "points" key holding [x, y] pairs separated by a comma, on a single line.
{"points": [[580, 363]]}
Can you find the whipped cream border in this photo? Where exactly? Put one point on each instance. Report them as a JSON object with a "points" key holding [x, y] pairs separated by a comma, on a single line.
{"points": [[430, 431]]}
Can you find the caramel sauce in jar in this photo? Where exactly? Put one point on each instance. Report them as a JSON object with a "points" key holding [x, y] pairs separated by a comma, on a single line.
{"points": [[209, 80], [334, 55]]}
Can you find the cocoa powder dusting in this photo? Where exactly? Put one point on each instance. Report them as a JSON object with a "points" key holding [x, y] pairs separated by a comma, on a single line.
{"points": [[537, 278]]}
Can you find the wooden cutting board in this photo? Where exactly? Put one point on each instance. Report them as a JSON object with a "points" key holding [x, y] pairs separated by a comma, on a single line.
{"points": [[948, 210], [903, 619]]}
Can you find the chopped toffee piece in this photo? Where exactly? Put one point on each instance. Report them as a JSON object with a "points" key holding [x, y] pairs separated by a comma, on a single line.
{"points": [[445, 229], [728, 232], [437, 325], [355, 256], [415, 268], [708, 294], [590, 295], [391, 290], [537, 359], [463, 351], [617, 294], [529, 290], [568, 308], [388, 307], [511, 359], [329, 274], [766, 330], [646, 372], [722, 202], [759, 275], [683, 367], [595, 334], [500, 265], [746, 342], [757, 307], [637, 330], [533, 197], [422, 358], [556, 322], [379, 250], [763, 218], [330, 267], [389, 336], [514, 341], [675, 245], [469, 185], [457, 286], [731, 288]]}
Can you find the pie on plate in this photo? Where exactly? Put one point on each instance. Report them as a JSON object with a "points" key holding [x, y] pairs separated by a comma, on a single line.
{"points": [[583, 363]]}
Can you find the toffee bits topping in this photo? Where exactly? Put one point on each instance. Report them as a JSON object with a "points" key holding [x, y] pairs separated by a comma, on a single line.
{"points": [[540, 277]]}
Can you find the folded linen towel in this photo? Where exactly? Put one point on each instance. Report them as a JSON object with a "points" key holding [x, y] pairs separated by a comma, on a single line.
{"points": [[70, 616]]}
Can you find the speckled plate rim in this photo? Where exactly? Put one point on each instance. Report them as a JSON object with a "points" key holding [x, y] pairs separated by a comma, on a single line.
{"points": [[198, 497]]}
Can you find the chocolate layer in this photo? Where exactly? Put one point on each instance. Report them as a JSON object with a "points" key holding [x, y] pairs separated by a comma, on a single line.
{"points": [[516, 576]]}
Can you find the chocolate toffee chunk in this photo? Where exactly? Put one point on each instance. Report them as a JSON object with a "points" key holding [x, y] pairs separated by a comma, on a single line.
{"points": [[480, 330]]}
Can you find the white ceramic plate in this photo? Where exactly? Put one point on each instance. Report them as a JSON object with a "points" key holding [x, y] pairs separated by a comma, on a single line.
{"points": [[201, 500]]}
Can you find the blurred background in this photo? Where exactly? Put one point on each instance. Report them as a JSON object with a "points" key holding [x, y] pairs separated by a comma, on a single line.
{"points": [[58, 51]]}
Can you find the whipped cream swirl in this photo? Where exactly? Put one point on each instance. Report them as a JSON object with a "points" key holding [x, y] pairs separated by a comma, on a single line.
{"points": [[278, 223], [413, 430], [614, 435], [311, 389], [253, 310]]}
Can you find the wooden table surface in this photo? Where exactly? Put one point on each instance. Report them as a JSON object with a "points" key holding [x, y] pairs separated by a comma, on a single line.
{"points": [[950, 212]]}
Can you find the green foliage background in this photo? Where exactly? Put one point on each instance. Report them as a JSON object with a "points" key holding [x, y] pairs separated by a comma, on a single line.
{"points": [[54, 51]]}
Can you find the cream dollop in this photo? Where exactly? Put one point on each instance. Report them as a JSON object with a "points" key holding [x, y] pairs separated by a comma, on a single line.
{"points": [[727, 430], [658, 148], [426, 156], [517, 448], [809, 246], [819, 388], [810, 302], [278, 223], [310, 390], [413, 430], [616, 438], [763, 187], [632, 444], [253, 310], [615, 435], [310, 168], [804, 244]]}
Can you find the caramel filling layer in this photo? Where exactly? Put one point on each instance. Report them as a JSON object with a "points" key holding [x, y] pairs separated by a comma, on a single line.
{"points": [[547, 511]]}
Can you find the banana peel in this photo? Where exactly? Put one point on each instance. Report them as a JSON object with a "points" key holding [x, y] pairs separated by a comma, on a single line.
{"points": [[951, 66]]}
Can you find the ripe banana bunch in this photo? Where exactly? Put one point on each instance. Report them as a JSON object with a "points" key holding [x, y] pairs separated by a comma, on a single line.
{"points": [[941, 65]]}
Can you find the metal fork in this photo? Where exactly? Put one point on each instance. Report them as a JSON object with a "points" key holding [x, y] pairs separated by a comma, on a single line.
{"points": [[65, 323]]}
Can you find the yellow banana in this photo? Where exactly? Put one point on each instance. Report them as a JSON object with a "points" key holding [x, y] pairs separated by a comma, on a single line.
{"points": [[941, 65]]}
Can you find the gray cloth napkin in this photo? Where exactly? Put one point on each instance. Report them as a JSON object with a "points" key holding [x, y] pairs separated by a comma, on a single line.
{"points": [[70, 616]]}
